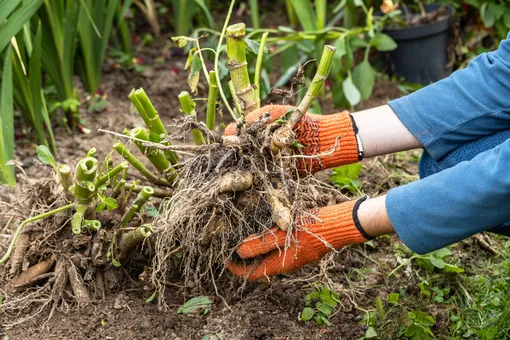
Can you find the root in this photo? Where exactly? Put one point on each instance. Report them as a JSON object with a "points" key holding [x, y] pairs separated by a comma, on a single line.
{"points": [[18, 255], [31, 276], [80, 290]]}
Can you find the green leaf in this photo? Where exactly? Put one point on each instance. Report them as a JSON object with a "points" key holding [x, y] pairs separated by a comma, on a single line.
{"points": [[203, 6], [151, 210], [416, 332], [194, 72], [152, 297], [487, 15], [351, 92], [16, 20], [254, 46], [363, 78], [506, 18], [305, 14], [371, 333], [383, 42], [450, 268], [497, 10], [109, 203], [211, 337], [393, 297], [325, 320], [437, 262], [45, 156], [6, 121], [285, 29], [324, 308], [116, 262], [306, 314], [327, 298], [199, 305], [181, 40], [442, 253], [423, 318], [358, 3]]}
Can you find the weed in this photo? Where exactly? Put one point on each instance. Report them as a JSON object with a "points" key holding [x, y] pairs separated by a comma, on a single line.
{"points": [[346, 178], [321, 304]]}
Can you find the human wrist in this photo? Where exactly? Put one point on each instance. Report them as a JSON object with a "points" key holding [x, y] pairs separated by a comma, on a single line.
{"points": [[373, 217]]}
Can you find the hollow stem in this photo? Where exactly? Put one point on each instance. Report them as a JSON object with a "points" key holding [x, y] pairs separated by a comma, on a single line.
{"points": [[84, 188], [92, 225], [315, 87], [78, 217], [129, 239], [155, 156], [91, 153], [143, 196], [238, 66], [258, 66], [151, 118], [128, 156], [30, 220], [158, 192], [111, 174], [210, 119], [188, 108]]}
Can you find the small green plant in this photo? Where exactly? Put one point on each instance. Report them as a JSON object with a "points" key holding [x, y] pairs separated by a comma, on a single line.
{"points": [[346, 177], [197, 305], [431, 261], [320, 304], [494, 14], [418, 325]]}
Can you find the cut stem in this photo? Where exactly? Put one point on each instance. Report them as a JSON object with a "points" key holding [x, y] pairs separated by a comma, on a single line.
{"points": [[30, 220], [78, 218], [66, 178], [210, 120], [158, 192], [155, 156], [238, 66], [128, 156], [143, 196], [129, 239], [315, 87], [151, 118], [188, 108], [84, 188]]}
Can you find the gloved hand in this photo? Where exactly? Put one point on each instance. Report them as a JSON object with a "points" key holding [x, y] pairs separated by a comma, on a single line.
{"points": [[334, 137], [317, 232]]}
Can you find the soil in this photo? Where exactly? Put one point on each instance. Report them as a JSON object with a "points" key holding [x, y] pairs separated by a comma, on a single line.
{"points": [[260, 311]]}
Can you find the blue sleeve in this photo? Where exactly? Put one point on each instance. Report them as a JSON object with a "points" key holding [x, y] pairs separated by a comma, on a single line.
{"points": [[453, 204], [469, 104]]}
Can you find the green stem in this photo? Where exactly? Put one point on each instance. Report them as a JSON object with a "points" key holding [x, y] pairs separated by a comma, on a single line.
{"points": [[143, 196], [158, 192], [92, 152], [151, 118], [111, 174], [238, 66], [78, 217], [210, 119], [320, 10], [66, 177], [188, 108], [237, 103], [258, 66], [119, 185], [155, 156], [237, 117], [128, 156], [30, 220], [92, 225], [315, 87], [84, 188], [130, 239]]}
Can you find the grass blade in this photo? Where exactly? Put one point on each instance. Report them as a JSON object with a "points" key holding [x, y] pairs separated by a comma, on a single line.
{"points": [[7, 7], [305, 14], [6, 121], [16, 21]]}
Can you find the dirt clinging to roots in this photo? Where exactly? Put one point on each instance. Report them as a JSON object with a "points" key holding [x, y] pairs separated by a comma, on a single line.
{"points": [[203, 223]]}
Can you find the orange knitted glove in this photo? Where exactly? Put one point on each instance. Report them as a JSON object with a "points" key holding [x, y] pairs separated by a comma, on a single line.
{"points": [[333, 138], [336, 226]]}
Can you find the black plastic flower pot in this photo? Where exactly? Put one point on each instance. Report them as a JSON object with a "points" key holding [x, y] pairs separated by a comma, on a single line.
{"points": [[422, 53]]}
